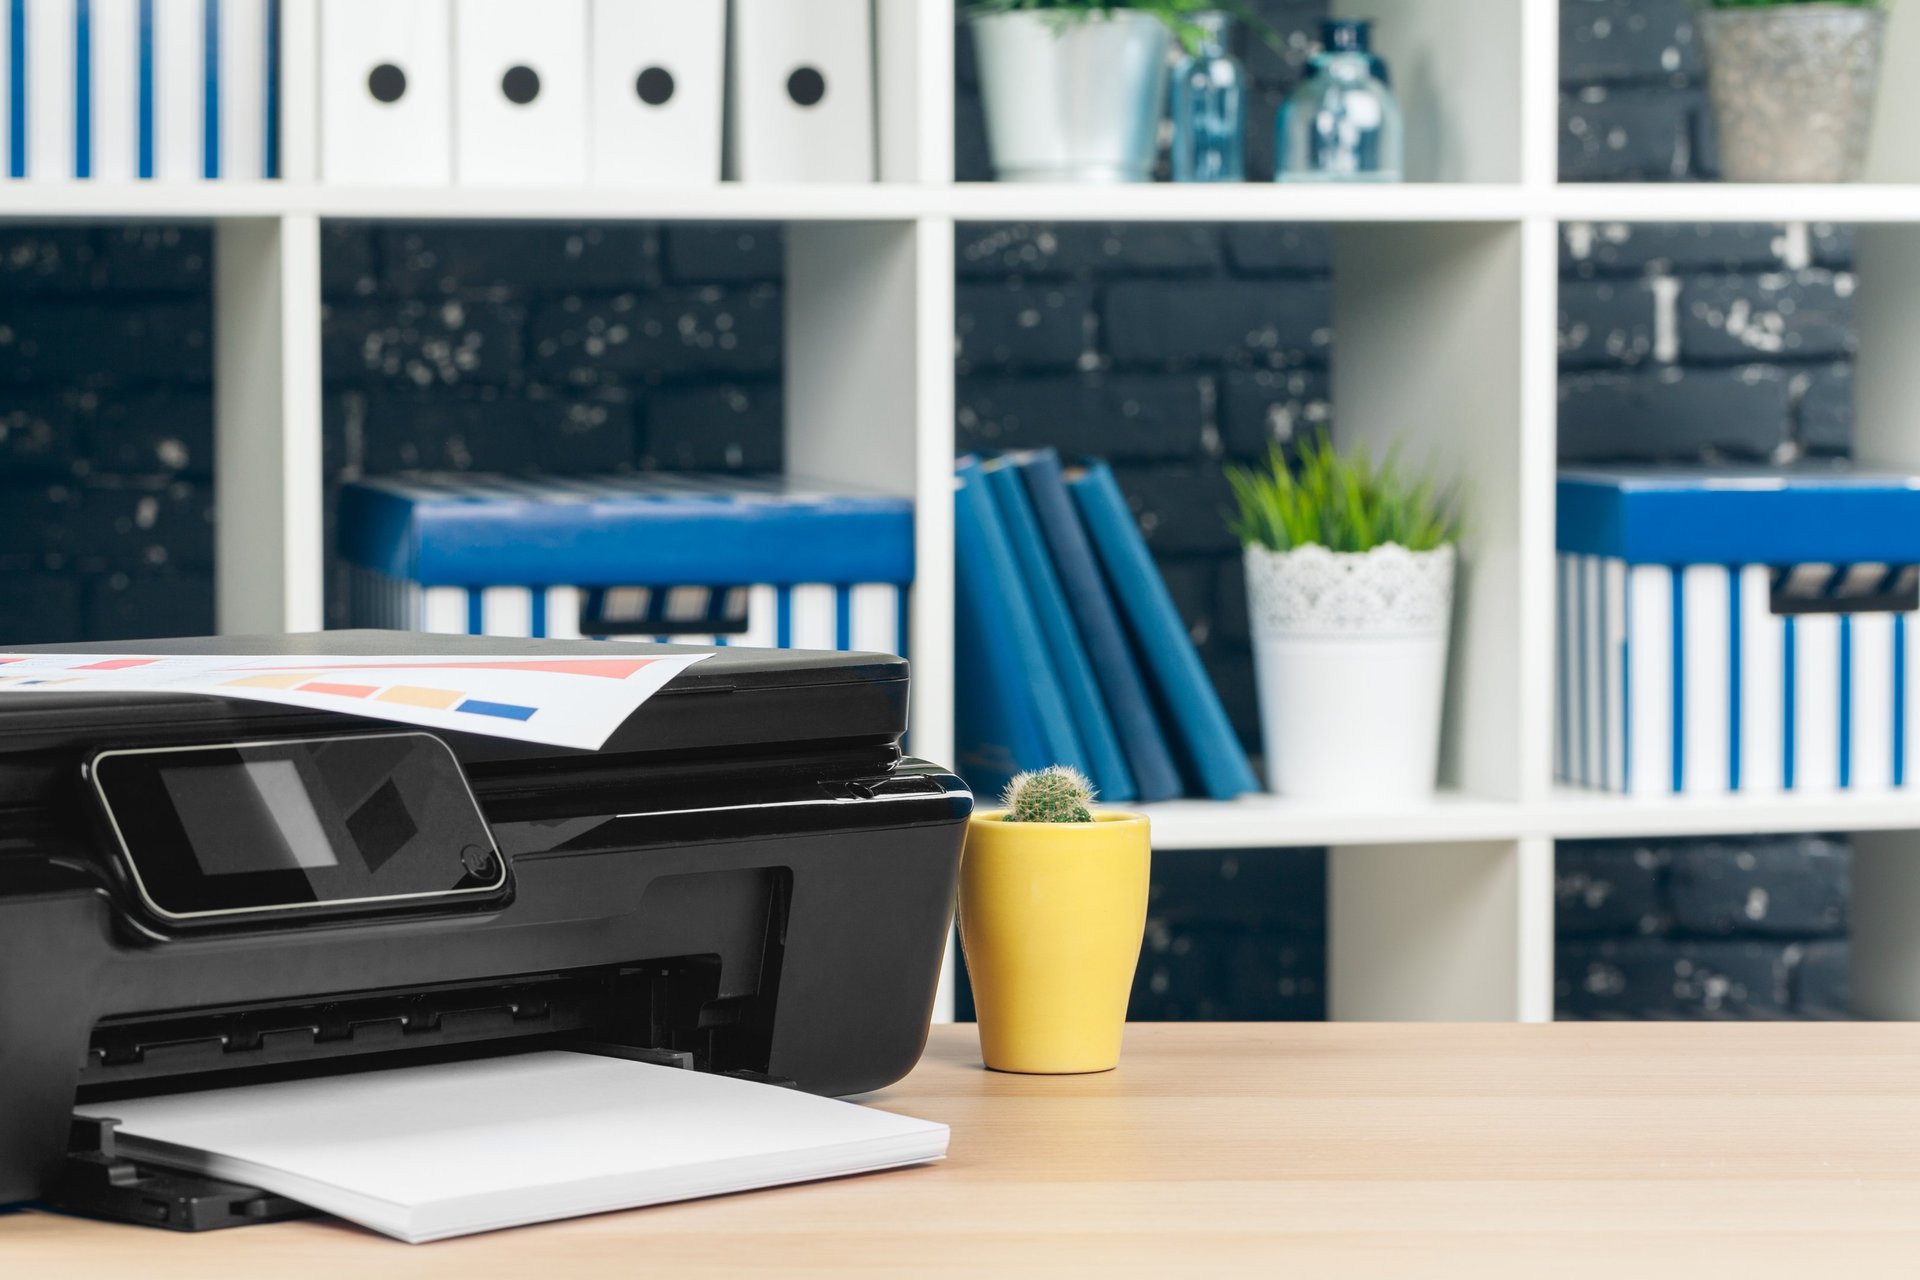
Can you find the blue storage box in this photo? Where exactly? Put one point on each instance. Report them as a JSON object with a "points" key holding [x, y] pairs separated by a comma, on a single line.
{"points": [[671, 557], [1736, 630]]}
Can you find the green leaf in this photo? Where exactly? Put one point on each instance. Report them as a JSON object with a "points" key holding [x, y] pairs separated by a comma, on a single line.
{"points": [[1343, 503]]}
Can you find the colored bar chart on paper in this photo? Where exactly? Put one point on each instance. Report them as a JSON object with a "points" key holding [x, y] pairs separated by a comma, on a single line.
{"points": [[568, 702]]}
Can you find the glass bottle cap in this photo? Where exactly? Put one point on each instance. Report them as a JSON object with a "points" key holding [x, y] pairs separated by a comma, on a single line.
{"points": [[1347, 35]]}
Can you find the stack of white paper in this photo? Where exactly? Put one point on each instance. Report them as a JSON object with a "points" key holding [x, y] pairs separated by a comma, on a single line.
{"points": [[423, 1153]]}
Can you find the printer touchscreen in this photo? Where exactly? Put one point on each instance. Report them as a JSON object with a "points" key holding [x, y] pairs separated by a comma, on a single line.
{"points": [[217, 831]]}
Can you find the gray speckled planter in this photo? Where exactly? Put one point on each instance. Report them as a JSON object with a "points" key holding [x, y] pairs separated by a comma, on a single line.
{"points": [[1793, 89]]}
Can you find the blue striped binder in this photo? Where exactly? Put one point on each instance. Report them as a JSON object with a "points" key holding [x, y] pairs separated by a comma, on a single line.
{"points": [[1736, 630], [690, 558], [120, 90]]}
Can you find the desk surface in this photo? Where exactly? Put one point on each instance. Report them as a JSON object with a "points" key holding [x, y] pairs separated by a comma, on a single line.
{"points": [[1608, 1149]]}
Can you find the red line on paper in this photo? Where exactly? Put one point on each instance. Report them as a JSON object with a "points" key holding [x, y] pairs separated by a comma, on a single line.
{"points": [[604, 668]]}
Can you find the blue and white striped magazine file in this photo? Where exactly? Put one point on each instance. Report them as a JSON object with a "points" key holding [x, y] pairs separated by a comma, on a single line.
{"points": [[1736, 630], [124, 90], [672, 558]]}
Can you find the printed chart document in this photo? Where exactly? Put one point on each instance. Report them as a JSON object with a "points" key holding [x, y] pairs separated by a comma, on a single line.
{"points": [[565, 701], [423, 1153]]}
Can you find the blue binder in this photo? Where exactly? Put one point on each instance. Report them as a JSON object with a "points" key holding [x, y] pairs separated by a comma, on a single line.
{"points": [[1108, 767], [1212, 750], [463, 529], [1010, 712], [1154, 774]]}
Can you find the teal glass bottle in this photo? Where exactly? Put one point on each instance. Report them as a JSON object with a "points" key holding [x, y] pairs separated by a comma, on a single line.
{"points": [[1210, 107], [1342, 123]]}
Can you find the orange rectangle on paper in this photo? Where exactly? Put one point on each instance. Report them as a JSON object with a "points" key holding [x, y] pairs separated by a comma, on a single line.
{"points": [[413, 696], [117, 664], [269, 682], [340, 690]]}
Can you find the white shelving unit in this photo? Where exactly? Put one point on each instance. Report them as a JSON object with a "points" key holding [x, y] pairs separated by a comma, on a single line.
{"points": [[1445, 294]]}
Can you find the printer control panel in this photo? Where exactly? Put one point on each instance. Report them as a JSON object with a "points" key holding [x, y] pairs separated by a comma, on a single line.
{"points": [[217, 833]]}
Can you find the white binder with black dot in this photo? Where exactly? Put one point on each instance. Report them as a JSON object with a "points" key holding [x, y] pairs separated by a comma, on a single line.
{"points": [[802, 86], [520, 93], [658, 76], [386, 92]]}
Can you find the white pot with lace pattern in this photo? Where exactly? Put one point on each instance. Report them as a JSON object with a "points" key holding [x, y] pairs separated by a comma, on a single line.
{"points": [[1350, 655]]}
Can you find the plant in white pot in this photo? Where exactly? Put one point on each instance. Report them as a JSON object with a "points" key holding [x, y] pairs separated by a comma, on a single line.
{"points": [[1793, 85], [1350, 589], [1074, 90]]}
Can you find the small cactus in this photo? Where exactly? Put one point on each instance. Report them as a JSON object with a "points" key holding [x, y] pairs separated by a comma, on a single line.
{"points": [[1054, 794]]}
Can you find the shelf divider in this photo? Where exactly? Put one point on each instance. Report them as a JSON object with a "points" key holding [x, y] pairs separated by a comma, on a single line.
{"points": [[1886, 872], [869, 400], [268, 481]]}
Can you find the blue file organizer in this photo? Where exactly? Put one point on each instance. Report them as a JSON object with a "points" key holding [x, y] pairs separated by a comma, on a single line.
{"points": [[1737, 630], [692, 559]]}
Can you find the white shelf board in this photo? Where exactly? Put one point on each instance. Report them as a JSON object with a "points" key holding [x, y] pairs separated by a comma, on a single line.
{"points": [[1238, 202], [728, 201], [1578, 814], [1569, 813], [1735, 202], [1268, 821], [723, 202], [976, 202]]}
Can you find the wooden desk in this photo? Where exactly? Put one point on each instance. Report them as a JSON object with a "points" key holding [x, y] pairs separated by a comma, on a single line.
{"points": [[1610, 1150]]}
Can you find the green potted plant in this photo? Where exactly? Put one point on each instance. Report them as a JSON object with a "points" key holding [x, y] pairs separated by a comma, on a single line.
{"points": [[1793, 85], [1053, 903], [1074, 90], [1350, 572]]}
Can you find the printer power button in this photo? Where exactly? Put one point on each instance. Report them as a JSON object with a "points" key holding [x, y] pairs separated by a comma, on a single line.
{"points": [[477, 861]]}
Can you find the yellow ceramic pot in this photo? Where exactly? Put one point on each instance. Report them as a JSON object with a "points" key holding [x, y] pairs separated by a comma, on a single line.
{"points": [[1051, 916]]}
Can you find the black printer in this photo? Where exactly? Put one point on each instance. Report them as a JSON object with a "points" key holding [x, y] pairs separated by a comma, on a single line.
{"points": [[748, 877]]}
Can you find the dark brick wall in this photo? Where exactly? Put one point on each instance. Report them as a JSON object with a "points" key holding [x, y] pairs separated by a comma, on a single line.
{"points": [[1728, 928], [106, 442], [1682, 343], [1633, 101], [558, 348], [553, 347]]}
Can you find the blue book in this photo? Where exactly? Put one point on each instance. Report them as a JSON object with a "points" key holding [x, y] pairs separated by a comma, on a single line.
{"points": [[1211, 748], [1111, 778], [1155, 776], [1010, 712]]}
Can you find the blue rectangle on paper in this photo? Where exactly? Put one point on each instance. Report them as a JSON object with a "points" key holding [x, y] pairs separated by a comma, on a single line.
{"points": [[503, 710]]}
